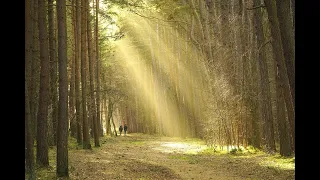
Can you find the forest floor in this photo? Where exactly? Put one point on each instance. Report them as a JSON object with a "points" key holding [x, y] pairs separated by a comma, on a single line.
{"points": [[144, 157]]}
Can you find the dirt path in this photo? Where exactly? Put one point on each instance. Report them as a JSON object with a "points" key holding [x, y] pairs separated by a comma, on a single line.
{"points": [[144, 157]]}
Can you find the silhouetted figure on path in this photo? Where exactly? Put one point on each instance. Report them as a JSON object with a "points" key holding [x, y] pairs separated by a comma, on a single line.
{"points": [[120, 129], [125, 129]]}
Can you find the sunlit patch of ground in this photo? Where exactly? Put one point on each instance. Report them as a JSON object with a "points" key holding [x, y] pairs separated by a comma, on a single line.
{"points": [[279, 162], [263, 159], [180, 147]]}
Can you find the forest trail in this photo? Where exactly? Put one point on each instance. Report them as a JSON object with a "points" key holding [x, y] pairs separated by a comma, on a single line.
{"points": [[142, 157]]}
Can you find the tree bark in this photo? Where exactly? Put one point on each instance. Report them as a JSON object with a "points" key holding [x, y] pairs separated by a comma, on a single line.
{"points": [[91, 76], [54, 67], [200, 26], [288, 44], [35, 67], [281, 118], [108, 117], [225, 25], [86, 137], [77, 69], [206, 34], [62, 137], [266, 106], [98, 69], [254, 82], [293, 11], [115, 128], [279, 58], [42, 121], [73, 123], [29, 156]]}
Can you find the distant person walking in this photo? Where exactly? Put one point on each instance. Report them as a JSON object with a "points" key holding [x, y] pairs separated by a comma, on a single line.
{"points": [[120, 129], [125, 129]]}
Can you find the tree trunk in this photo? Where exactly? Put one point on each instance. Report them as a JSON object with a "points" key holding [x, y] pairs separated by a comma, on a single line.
{"points": [[98, 69], [42, 121], [115, 128], [29, 156], [254, 81], [206, 33], [62, 138], [293, 11], [288, 44], [107, 114], [91, 64], [279, 57], [35, 67], [77, 75], [73, 123], [265, 95], [244, 56], [225, 25], [200, 26], [281, 118], [86, 139], [54, 67]]}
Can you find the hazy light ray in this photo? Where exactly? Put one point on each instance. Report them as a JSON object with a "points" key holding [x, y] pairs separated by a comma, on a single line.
{"points": [[143, 82], [167, 65], [185, 71]]}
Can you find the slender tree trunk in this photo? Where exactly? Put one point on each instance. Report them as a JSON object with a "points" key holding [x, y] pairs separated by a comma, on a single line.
{"points": [[254, 81], [86, 137], [293, 11], [90, 96], [42, 121], [288, 44], [54, 67], [73, 123], [266, 106], [77, 69], [29, 156], [115, 128], [108, 117], [244, 55], [213, 20], [206, 32], [91, 64], [200, 26], [35, 67], [62, 143], [281, 119], [98, 68], [225, 25], [279, 58]]}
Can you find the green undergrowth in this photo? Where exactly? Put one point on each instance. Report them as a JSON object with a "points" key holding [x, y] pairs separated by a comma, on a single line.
{"points": [[275, 161], [50, 171], [72, 144], [279, 162], [47, 172], [248, 151]]}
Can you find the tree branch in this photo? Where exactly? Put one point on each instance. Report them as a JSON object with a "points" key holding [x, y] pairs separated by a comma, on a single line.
{"points": [[263, 45]]}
